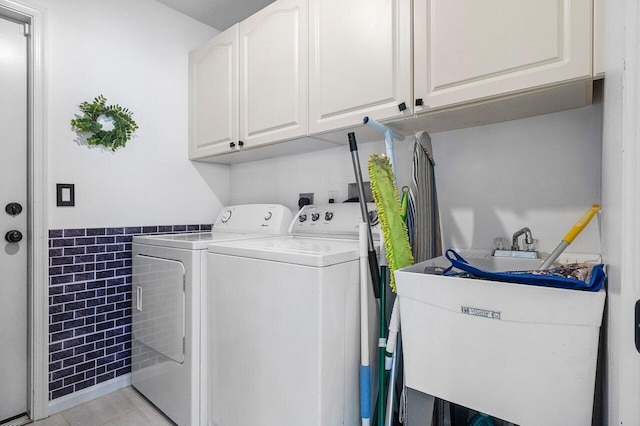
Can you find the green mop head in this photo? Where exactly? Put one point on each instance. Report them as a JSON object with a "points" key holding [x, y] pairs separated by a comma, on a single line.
{"points": [[394, 230]]}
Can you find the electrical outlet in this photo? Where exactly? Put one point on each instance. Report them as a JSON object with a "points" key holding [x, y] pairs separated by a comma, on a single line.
{"points": [[305, 198], [352, 191]]}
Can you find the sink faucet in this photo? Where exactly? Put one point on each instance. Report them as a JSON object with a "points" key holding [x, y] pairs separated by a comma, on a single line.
{"points": [[528, 238]]}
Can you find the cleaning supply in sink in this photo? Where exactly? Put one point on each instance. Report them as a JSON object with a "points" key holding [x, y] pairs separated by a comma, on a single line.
{"points": [[574, 276], [571, 235]]}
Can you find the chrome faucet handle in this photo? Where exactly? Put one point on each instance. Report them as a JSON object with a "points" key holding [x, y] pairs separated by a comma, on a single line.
{"points": [[501, 243]]}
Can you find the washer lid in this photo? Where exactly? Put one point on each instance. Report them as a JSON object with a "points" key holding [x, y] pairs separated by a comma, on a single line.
{"points": [[317, 252], [193, 241]]}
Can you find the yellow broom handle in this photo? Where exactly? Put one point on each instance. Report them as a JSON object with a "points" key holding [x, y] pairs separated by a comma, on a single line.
{"points": [[581, 224]]}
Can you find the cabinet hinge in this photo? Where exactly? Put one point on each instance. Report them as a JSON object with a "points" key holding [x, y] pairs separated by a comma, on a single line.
{"points": [[184, 283]]}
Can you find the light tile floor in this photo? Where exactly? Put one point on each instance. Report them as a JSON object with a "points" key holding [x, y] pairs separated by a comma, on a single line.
{"points": [[124, 407]]}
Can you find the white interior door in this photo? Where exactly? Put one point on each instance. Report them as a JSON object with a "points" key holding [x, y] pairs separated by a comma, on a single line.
{"points": [[13, 225]]}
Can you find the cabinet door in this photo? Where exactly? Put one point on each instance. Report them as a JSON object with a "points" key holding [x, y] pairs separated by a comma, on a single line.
{"points": [[273, 73], [598, 38], [359, 61], [213, 96], [468, 49]]}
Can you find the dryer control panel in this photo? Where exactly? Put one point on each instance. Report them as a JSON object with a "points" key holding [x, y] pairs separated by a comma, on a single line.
{"points": [[270, 219], [333, 220]]}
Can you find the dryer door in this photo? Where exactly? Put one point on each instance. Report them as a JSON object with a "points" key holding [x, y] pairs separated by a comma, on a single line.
{"points": [[159, 305]]}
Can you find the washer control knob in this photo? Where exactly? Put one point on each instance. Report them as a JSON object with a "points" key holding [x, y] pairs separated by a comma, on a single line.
{"points": [[302, 217], [226, 216], [373, 217], [268, 216], [328, 216], [315, 216]]}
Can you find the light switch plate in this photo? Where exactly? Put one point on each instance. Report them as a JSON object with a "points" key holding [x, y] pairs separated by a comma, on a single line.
{"points": [[65, 195]]}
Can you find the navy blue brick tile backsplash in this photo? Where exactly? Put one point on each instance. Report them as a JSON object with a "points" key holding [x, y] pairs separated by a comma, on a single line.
{"points": [[90, 304]]}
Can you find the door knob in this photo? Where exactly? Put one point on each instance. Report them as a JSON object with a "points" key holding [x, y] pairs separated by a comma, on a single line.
{"points": [[13, 236], [13, 209]]}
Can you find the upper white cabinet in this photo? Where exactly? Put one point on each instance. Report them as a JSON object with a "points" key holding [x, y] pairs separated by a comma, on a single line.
{"points": [[598, 38], [213, 96], [303, 71], [468, 50], [359, 61], [273, 73], [248, 85]]}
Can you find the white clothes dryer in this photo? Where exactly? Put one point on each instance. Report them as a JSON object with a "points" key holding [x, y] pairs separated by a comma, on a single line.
{"points": [[285, 324], [169, 305]]}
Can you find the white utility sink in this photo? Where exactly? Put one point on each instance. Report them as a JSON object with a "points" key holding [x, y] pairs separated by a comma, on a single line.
{"points": [[488, 262], [522, 353]]}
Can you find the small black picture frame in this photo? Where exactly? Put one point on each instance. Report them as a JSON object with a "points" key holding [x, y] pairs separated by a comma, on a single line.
{"points": [[65, 195]]}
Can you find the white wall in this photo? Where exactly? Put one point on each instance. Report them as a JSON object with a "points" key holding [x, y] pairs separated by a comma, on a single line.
{"points": [[542, 172], [281, 180], [135, 53]]}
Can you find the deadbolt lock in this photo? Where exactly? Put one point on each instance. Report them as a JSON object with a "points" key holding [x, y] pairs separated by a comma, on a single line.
{"points": [[13, 236], [13, 209]]}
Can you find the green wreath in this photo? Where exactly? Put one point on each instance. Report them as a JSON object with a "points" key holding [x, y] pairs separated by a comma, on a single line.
{"points": [[123, 124]]}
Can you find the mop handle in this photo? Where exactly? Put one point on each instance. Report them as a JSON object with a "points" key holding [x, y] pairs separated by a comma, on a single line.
{"points": [[389, 136], [365, 369], [382, 338], [571, 235], [373, 258], [382, 128], [364, 305], [581, 224]]}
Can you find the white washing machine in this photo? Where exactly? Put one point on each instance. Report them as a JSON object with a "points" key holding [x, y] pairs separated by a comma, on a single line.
{"points": [[285, 324], [169, 308]]}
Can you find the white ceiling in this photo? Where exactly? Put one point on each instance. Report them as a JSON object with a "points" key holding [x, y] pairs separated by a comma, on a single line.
{"points": [[219, 14]]}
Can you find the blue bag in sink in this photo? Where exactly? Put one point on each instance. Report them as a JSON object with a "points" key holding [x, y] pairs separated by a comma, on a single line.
{"points": [[572, 276]]}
